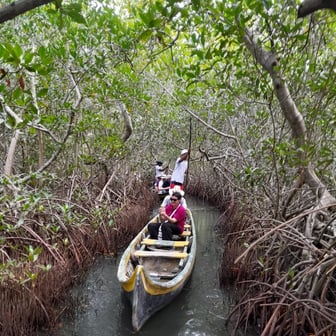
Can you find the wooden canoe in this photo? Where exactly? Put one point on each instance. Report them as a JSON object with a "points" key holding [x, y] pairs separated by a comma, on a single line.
{"points": [[153, 272]]}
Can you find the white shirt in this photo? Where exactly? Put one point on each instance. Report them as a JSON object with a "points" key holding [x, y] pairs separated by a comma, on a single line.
{"points": [[160, 185], [179, 171], [158, 170]]}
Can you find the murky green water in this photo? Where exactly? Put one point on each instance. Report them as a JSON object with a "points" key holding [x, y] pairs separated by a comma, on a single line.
{"points": [[200, 310]]}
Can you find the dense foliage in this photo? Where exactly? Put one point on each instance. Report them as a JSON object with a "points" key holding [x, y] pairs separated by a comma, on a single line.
{"points": [[93, 92]]}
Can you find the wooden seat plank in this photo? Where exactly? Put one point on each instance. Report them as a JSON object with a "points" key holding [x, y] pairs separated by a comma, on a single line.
{"points": [[170, 243], [163, 275], [164, 254]]}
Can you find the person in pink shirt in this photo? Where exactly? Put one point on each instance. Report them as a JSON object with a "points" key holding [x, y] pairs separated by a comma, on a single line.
{"points": [[172, 219]]}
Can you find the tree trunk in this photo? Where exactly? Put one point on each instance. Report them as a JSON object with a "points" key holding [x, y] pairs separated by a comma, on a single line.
{"points": [[8, 169], [269, 61]]}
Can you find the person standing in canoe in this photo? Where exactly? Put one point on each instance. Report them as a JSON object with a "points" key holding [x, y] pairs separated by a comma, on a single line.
{"points": [[181, 166]]}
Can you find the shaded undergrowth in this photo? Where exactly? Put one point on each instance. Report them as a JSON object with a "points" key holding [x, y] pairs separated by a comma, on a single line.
{"points": [[47, 243], [284, 279], [285, 284], [280, 289]]}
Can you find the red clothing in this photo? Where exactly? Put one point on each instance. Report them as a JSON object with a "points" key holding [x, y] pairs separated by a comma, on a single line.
{"points": [[179, 215]]}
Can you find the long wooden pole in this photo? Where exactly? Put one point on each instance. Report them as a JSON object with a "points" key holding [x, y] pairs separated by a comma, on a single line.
{"points": [[189, 151]]}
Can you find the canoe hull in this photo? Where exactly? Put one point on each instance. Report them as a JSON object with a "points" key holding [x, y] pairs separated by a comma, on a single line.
{"points": [[148, 293], [145, 305]]}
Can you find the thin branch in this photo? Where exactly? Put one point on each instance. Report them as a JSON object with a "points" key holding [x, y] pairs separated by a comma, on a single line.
{"points": [[67, 134], [169, 46], [195, 115], [127, 120], [281, 225]]}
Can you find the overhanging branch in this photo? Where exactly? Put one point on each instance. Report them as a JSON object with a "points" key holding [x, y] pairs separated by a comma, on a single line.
{"points": [[16, 8]]}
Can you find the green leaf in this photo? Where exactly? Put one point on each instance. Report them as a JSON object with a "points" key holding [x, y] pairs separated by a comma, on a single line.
{"points": [[28, 57], [17, 93], [42, 52], [146, 18], [42, 93], [10, 121], [75, 16], [17, 50], [3, 51]]}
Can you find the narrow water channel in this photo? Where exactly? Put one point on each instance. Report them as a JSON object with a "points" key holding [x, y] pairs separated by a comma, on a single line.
{"points": [[201, 308]]}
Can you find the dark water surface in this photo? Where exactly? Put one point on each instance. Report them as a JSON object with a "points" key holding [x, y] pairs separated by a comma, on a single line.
{"points": [[199, 310]]}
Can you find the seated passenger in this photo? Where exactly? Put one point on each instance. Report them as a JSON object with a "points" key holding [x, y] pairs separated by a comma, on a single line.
{"points": [[163, 186], [158, 170], [157, 184], [172, 219]]}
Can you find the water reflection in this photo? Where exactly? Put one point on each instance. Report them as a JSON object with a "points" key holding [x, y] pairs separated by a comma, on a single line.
{"points": [[200, 309]]}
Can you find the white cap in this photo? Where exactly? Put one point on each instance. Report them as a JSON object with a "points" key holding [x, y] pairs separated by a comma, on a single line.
{"points": [[176, 189], [184, 151]]}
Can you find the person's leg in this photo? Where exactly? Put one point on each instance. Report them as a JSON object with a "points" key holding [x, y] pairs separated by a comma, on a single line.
{"points": [[168, 230], [153, 229]]}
